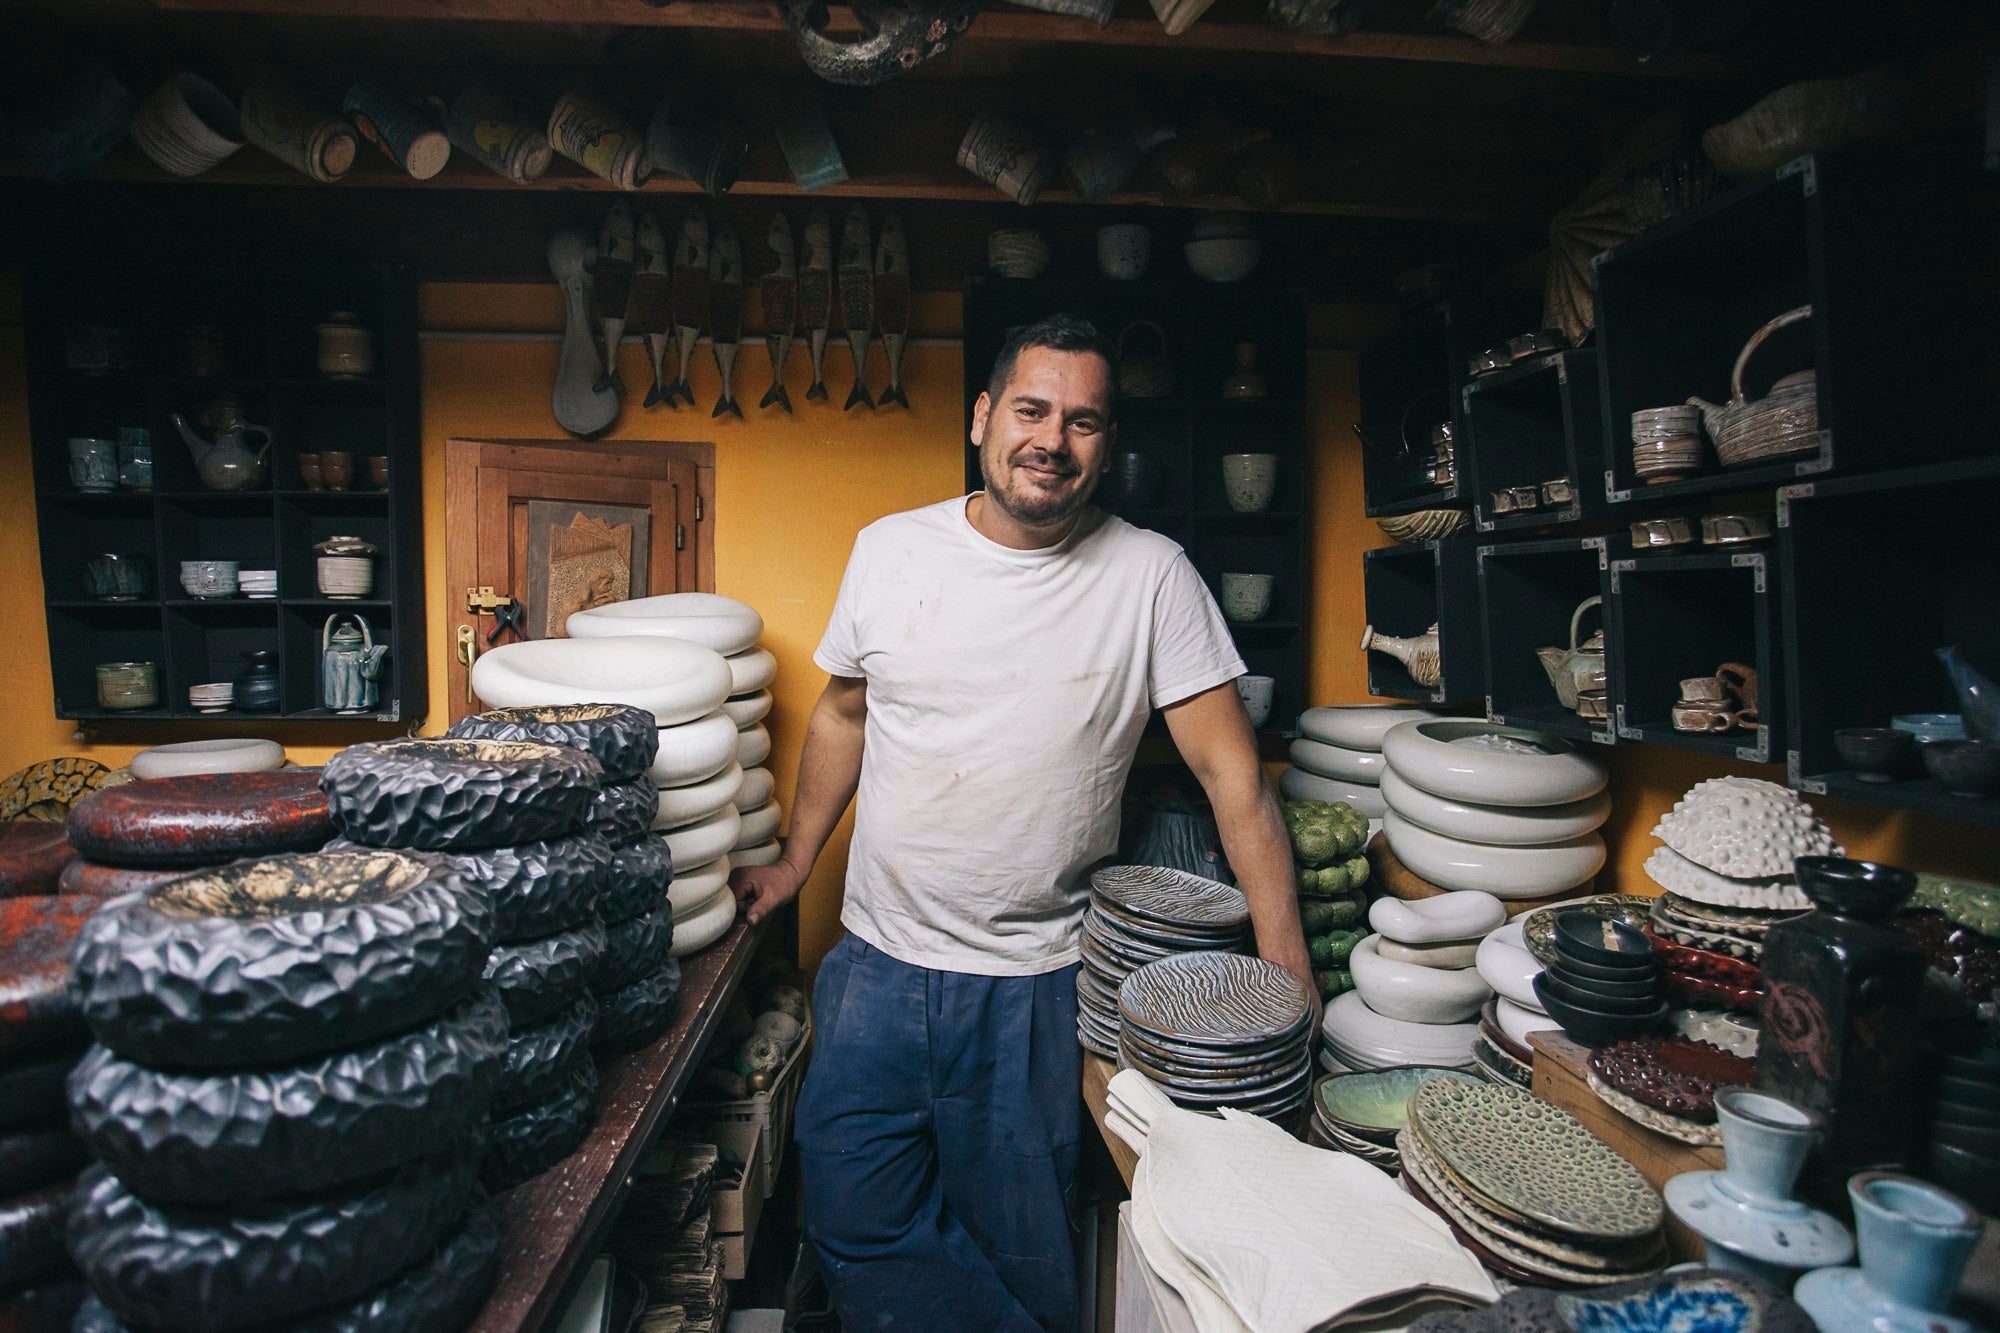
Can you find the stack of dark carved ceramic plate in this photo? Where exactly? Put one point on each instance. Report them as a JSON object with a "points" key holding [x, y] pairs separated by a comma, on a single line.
{"points": [[1668, 1084], [1219, 1029], [1523, 1185], [1139, 915]]}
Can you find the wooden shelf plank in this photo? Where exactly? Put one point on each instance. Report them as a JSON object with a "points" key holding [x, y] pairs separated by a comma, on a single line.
{"points": [[553, 1224], [1097, 1072]]}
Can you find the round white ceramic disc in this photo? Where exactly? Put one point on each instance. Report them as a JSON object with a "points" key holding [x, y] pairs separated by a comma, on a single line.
{"points": [[763, 854], [1504, 872], [748, 710], [693, 751], [758, 785], [702, 841], [1295, 784], [1486, 763], [722, 624], [705, 925], [680, 806], [699, 884], [187, 758], [1338, 762], [751, 671], [1506, 826], [759, 825], [1412, 992], [1360, 1038], [674, 681], [753, 747], [1358, 726]]}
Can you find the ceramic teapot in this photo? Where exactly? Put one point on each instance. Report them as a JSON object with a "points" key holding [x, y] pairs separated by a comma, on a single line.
{"points": [[349, 662], [1580, 666], [1784, 421], [229, 462]]}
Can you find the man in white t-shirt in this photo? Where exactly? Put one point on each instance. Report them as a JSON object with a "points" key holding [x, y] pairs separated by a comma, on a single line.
{"points": [[993, 659]]}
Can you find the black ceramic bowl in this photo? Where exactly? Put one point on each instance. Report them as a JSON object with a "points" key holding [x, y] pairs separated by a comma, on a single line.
{"points": [[1633, 985], [1602, 940], [1964, 768], [1876, 754], [1597, 972], [1594, 1027], [1972, 1176], [1982, 1114], [1969, 1089], [1984, 1142], [1646, 998]]}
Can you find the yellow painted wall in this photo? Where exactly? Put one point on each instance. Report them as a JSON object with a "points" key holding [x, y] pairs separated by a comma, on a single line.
{"points": [[790, 495]]}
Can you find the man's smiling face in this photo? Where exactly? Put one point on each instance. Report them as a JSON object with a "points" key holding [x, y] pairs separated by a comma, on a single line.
{"points": [[1044, 439]]}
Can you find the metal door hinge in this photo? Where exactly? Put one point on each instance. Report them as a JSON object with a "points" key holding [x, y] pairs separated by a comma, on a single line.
{"points": [[680, 537]]}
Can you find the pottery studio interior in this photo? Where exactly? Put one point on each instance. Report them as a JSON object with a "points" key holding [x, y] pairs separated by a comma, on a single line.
{"points": [[1525, 856]]}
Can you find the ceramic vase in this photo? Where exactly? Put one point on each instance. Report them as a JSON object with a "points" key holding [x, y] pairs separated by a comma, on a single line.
{"points": [[1840, 1021], [257, 684], [1915, 1240], [1418, 654]]}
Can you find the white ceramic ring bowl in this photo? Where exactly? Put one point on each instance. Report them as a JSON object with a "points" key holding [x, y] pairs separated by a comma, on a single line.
{"points": [[694, 751], [1508, 967], [1358, 726], [674, 681], [753, 746], [749, 709], [1440, 920], [758, 784], [763, 854], [1360, 1038], [680, 806], [1338, 762], [1504, 872], [689, 891], [709, 619], [704, 925], [1296, 784], [1413, 992], [1504, 826], [704, 840], [1517, 1022], [751, 671], [187, 758], [759, 825], [1431, 756]]}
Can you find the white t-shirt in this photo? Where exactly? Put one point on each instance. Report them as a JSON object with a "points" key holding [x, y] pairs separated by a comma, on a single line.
{"points": [[1006, 694]]}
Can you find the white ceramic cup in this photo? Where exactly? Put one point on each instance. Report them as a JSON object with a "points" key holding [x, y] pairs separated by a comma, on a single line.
{"points": [[1257, 692], [1123, 249], [1246, 596], [1250, 481]]}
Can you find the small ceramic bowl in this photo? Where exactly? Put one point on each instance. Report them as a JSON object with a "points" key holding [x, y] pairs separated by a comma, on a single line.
{"points": [[1602, 940], [1965, 768], [1592, 1026], [1580, 998], [206, 579], [1246, 597], [1645, 986], [1223, 259], [1599, 972], [1876, 754], [1928, 727]]}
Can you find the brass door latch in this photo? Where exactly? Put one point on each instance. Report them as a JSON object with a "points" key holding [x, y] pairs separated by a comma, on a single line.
{"points": [[482, 601]]}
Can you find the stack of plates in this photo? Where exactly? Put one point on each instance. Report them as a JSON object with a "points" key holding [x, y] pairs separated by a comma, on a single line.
{"points": [[260, 584], [1501, 1059], [1737, 932], [1361, 1113], [1524, 1186], [1219, 1029], [1139, 915]]}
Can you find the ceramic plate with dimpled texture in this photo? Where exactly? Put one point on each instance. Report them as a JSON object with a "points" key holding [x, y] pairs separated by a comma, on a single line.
{"points": [[1172, 897], [1527, 1157], [1215, 999]]}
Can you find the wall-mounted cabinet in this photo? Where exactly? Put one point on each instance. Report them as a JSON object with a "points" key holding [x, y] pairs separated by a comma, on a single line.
{"points": [[1880, 572], [114, 353], [1409, 589], [1679, 617], [1533, 432], [1536, 596]]}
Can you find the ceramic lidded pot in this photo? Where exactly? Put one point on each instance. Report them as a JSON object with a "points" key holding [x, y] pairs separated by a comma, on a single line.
{"points": [[346, 350], [346, 567], [1840, 1021]]}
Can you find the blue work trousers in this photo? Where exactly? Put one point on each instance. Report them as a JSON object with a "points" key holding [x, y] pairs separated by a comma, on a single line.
{"points": [[938, 1136]]}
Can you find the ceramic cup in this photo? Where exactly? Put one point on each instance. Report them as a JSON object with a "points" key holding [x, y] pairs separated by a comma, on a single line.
{"points": [[309, 472], [1876, 754], [124, 685], [1123, 249], [1704, 689], [1246, 596], [1703, 717], [1257, 693], [378, 471], [812, 154], [93, 464], [336, 468], [1250, 481], [346, 576], [1593, 704], [135, 458], [346, 350], [1007, 156], [116, 577], [206, 579], [187, 125]]}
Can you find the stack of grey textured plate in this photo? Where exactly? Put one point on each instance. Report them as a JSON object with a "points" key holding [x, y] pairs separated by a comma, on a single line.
{"points": [[1138, 915], [1219, 1029]]}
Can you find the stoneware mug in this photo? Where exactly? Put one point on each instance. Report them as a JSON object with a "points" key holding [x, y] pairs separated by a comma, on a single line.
{"points": [[1703, 717], [1257, 693], [1249, 481], [93, 465], [1246, 596], [1123, 249], [1703, 690]]}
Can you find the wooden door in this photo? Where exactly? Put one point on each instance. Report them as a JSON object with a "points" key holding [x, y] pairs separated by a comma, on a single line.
{"points": [[556, 526]]}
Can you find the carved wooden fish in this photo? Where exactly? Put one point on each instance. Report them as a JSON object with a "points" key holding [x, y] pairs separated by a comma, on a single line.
{"points": [[816, 294], [892, 302], [613, 288], [857, 298], [652, 313], [725, 304], [780, 292], [690, 294]]}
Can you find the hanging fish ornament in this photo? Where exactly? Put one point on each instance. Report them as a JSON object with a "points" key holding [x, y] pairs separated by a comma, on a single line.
{"points": [[857, 298], [779, 291], [816, 294], [613, 279], [652, 313], [690, 294], [892, 303], [725, 304]]}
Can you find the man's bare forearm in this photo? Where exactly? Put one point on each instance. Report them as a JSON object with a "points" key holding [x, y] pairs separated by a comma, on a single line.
{"points": [[1253, 837], [829, 771]]}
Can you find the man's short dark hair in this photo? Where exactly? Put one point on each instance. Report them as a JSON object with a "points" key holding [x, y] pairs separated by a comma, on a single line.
{"points": [[1058, 333]]}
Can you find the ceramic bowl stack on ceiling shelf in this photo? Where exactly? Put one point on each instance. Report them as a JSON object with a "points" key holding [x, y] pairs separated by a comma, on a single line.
{"points": [[1503, 810], [1416, 987], [1361, 1112], [1338, 755], [1220, 1029], [1139, 915], [1521, 1183]]}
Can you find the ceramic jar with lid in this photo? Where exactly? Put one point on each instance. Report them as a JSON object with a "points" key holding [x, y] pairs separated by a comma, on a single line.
{"points": [[257, 684], [346, 350], [346, 567]]}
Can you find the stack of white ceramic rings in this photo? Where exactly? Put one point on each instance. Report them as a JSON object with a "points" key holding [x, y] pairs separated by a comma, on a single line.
{"points": [[1338, 756]]}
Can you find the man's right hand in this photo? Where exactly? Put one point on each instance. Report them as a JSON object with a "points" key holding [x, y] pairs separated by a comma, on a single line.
{"points": [[762, 890]]}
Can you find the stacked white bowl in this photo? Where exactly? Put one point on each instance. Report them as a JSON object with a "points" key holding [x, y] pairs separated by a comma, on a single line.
{"points": [[717, 782], [1509, 968], [1417, 989], [1503, 810], [1338, 756]]}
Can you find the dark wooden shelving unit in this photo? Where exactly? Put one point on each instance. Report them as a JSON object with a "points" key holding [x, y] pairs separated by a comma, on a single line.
{"points": [[1535, 421], [1677, 616], [266, 316], [1528, 593], [1879, 572], [1186, 434], [1412, 587]]}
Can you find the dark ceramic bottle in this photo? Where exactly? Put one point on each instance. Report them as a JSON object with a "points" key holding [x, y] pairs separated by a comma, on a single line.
{"points": [[1841, 1032], [257, 684]]}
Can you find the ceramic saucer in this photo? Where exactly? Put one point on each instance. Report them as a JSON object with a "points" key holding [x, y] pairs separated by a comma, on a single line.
{"points": [[1841, 1301], [1790, 1235], [1215, 999], [1673, 1126]]}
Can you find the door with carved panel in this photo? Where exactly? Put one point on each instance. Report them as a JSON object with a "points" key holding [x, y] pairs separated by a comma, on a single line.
{"points": [[536, 530]]}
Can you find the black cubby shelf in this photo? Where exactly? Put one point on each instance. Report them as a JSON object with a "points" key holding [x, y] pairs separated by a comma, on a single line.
{"points": [[266, 316], [1677, 617], [1879, 572], [1536, 421], [1408, 589], [1898, 377], [1184, 436], [1529, 592]]}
